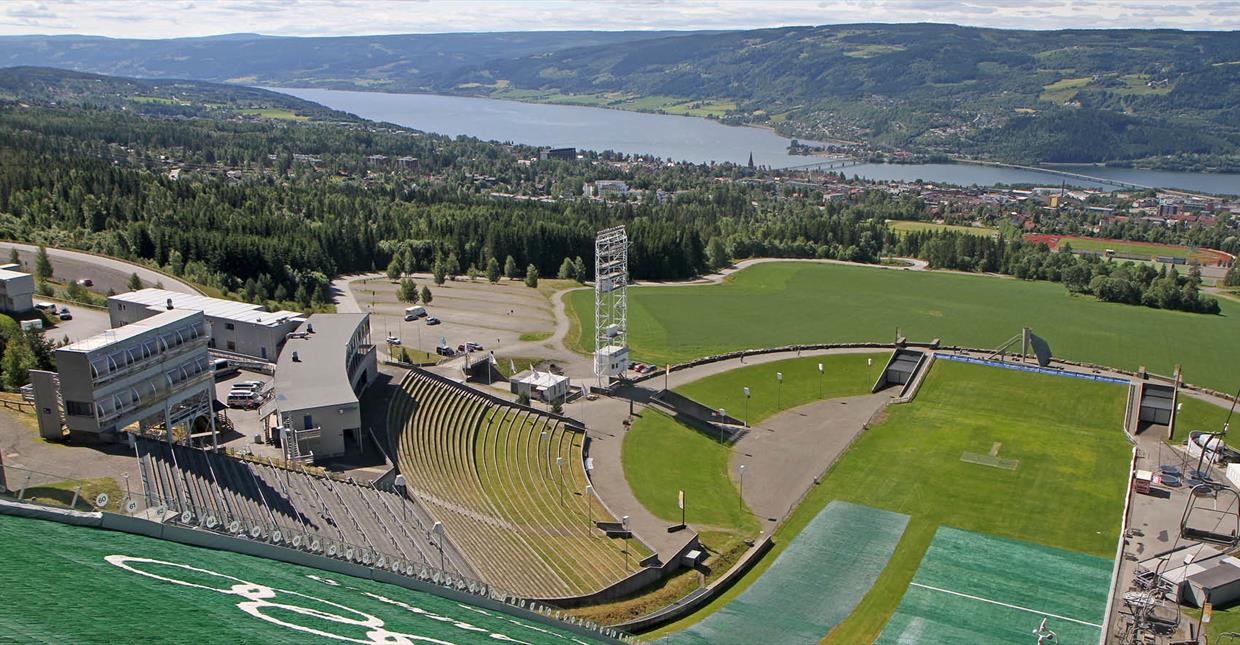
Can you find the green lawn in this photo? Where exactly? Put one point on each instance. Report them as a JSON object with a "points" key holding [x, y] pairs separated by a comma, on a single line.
{"points": [[1195, 415], [778, 303], [902, 227], [1067, 490], [843, 375], [663, 456]]}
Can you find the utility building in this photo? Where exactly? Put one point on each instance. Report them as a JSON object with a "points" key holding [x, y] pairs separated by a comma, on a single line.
{"points": [[540, 386], [153, 373], [16, 290], [323, 370], [236, 327]]}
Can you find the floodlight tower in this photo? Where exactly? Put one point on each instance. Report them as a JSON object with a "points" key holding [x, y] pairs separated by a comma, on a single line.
{"points": [[611, 282]]}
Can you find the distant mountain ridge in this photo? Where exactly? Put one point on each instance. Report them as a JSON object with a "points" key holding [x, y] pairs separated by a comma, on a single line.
{"points": [[1162, 98]]}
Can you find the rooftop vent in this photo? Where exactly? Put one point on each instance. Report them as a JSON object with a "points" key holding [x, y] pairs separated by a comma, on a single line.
{"points": [[296, 359], [310, 327], [170, 303]]}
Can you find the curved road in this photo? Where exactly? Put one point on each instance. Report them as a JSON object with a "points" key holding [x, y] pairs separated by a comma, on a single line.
{"points": [[107, 273]]}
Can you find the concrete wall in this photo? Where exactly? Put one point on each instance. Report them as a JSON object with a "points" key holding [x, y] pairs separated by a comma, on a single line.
{"points": [[259, 341]]}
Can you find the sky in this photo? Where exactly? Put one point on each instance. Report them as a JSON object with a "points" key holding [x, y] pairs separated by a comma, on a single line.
{"points": [[171, 18]]}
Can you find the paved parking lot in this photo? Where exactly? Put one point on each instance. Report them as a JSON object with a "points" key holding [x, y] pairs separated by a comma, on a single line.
{"points": [[86, 322], [246, 423]]}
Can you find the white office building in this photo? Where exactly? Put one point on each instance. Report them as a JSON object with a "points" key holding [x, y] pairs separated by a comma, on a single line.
{"points": [[154, 373], [236, 327], [16, 290], [323, 370]]}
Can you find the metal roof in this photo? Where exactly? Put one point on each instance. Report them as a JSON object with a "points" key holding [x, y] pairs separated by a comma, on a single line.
{"points": [[319, 377], [114, 336], [215, 307]]}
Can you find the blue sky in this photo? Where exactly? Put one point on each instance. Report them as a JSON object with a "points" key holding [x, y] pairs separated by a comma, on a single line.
{"points": [[168, 18]]}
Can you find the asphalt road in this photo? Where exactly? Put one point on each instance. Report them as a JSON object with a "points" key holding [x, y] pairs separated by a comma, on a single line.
{"points": [[107, 273]]}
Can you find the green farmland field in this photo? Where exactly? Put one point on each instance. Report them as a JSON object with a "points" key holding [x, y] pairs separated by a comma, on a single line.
{"points": [[1066, 491], [779, 303]]}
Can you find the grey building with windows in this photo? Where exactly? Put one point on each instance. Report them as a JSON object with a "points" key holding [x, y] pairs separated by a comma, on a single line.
{"points": [[324, 368], [236, 327], [154, 373]]}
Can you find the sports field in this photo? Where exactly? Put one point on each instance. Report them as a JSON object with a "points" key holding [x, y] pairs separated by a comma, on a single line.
{"points": [[902, 227], [778, 303], [67, 584], [842, 375], [1197, 415], [663, 456], [973, 588], [1065, 491], [1129, 247]]}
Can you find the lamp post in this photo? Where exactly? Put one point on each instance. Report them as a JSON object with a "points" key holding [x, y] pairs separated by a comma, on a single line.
{"points": [[559, 466], [820, 372], [589, 517], [722, 415], [740, 502], [437, 529], [624, 522], [869, 373], [779, 396], [746, 389]]}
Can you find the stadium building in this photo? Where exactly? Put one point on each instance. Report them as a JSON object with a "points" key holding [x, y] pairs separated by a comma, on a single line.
{"points": [[236, 327], [154, 372], [324, 368]]}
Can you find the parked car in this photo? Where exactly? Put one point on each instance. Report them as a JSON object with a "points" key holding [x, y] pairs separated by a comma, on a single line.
{"points": [[415, 312], [431, 320], [392, 340], [254, 386], [86, 282], [471, 346], [49, 306], [444, 350], [65, 314]]}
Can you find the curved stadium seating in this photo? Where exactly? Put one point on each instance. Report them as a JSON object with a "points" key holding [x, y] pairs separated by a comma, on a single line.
{"points": [[488, 471]]}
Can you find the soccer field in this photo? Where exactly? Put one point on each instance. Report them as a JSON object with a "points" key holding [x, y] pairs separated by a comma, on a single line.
{"points": [[1129, 247], [779, 303], [68, 584]]}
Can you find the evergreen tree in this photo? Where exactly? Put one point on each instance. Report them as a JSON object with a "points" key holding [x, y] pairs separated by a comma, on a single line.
{"points": [[426, 295], [566, 270], [17, 362], [452, 266], [510, 268], [42, 264], [394, 268], [408, 291], [1232, 279], [493, 274], [13, 257], [531, 276], [440, 272], [135, 283]]}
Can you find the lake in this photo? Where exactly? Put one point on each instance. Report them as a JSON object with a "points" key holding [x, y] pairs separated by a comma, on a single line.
{"points": [[683, 138]]}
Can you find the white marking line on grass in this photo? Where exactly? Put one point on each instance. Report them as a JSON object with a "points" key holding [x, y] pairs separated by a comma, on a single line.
{"points": [[1004, 604]]}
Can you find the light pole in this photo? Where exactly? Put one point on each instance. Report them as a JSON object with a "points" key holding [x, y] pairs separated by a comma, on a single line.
{"points": [[559, 466], [779, 396], [746, 389], [740, 502], [624, 522], [437, 529], [589, 517], [869, 373], [722, 414], [820, 380]]}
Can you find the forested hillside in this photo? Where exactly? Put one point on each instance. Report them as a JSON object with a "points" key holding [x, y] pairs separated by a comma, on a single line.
{"points": [[272, 208], [1098, 95], [1158, 97]]}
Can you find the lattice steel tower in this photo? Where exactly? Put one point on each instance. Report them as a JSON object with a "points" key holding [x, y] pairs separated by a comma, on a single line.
{"points": [[611, 282]]}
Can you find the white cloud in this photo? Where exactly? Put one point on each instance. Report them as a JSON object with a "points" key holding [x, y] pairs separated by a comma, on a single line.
{"points": [[162, 18]]}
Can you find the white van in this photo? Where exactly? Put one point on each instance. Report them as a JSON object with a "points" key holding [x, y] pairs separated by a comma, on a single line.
{"points": [[244, 399], [414, 313]]}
